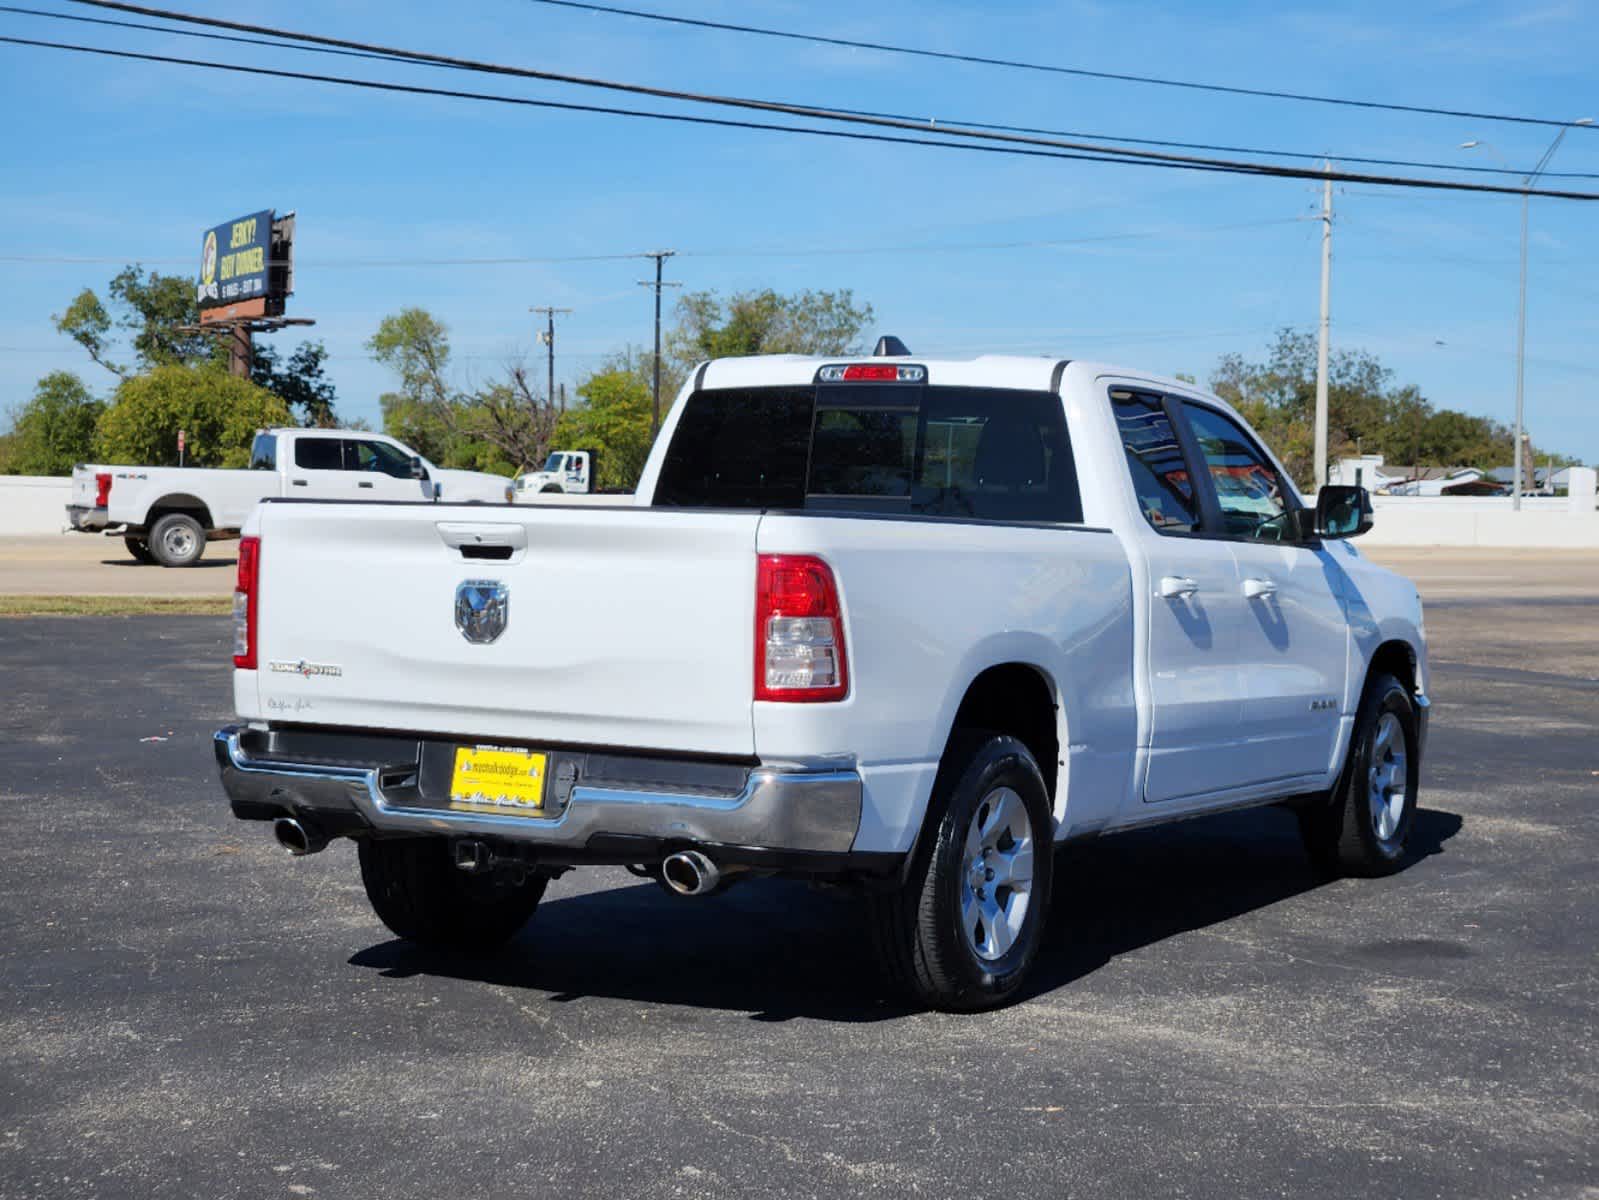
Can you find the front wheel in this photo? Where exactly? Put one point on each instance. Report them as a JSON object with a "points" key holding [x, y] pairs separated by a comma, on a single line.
{"points": [[1365, 826], [963, 930], [422, 896]]}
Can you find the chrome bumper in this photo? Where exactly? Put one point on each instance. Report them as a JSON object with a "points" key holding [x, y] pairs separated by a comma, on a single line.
{"points": [[807, 811], [86, 518]]}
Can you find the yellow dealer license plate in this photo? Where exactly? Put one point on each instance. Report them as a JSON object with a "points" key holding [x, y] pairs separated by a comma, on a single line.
{"points": [[489, 780]]}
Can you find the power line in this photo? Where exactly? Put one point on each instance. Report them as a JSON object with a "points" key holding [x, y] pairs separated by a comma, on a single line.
{"points": [[1014, 141], [930, 123], [1050, 68], [730, 252]]}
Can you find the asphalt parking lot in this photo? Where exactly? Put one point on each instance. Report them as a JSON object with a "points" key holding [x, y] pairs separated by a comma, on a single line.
{"points": [[185, 1011]]}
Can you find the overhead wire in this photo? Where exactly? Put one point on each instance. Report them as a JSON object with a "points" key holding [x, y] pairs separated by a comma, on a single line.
{"points": [[1052, 68], [1016, 142], [931, 124]]}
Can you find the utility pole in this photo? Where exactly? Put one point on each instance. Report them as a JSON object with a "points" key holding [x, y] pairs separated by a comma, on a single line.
{"points": [[660, 256], [548, 338], [1521, 303], [1326, 318]]}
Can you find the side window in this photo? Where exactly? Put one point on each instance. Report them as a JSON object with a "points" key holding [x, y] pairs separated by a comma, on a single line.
{"points": [[1155, 460], [264, 452], [1251, 493], [376, 456], [319, 454]]}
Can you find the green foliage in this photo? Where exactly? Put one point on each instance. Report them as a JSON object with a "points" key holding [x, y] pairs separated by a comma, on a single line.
{"points": [[301, 382], [149, 308], [53, 430], [219, 414], [764, 322], [614, 420], [502, 427], [1366, 413]]}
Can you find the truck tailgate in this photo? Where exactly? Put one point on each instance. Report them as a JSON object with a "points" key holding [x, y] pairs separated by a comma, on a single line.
{"points": [[625, 627]]}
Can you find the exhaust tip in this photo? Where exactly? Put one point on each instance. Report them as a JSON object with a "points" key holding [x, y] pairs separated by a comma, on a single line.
{"points": [[299, 840], [690, 873]]}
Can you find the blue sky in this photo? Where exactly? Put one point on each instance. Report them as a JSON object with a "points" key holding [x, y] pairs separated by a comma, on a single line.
{"points": [[124, 161]]}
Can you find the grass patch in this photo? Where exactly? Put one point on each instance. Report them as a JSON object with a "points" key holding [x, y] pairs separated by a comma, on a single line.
{"points": [[115, 606]]}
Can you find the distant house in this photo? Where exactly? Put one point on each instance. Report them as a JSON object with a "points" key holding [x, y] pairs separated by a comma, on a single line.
{"points": [[1370, 472]]}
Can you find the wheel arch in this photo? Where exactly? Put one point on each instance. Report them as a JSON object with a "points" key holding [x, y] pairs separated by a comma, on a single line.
{"points": [[1395, 657], [1019, 699], [180, 502]]}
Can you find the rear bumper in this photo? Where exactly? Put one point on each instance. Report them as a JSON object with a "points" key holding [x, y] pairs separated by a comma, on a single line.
{"points": [[804, 821], [86, 517]]}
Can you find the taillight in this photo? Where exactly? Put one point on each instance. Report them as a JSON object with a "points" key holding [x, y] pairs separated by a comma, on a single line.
{"points": [[246, 603], [799, 630], [102, 489]]}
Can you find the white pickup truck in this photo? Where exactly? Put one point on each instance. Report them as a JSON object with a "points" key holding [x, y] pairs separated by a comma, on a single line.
{"points": [[903, 624], [167, 514]]}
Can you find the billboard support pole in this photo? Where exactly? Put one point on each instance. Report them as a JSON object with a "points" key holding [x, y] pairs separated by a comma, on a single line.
{"points": [[241, 351]]}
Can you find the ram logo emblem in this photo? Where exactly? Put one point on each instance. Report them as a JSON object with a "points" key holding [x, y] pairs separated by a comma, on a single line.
{"points": [[482, 607]]}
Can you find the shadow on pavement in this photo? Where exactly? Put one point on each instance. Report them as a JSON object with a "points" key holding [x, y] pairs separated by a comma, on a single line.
{"points": [[199, 566], [777, 949]]}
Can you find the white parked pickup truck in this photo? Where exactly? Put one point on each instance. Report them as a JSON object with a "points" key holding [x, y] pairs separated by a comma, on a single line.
{"points": [[904, 624], [167, 514]]}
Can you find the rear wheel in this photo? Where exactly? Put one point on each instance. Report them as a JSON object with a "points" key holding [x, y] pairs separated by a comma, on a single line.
{"points": [[962, 932], [548, 488], [1365, 827], [177, 540], [422, 896], [140, 549]]}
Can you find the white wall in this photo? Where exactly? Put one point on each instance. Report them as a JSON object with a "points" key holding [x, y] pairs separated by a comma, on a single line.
{"points": [[33, 504], [1543, 523]]}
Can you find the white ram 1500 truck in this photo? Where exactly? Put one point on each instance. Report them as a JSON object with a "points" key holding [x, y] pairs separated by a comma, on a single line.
{"points": [[904, 624], [167, 514]]}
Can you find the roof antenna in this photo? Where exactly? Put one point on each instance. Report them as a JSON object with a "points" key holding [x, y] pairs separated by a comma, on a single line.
{"points": [[889, 346]]}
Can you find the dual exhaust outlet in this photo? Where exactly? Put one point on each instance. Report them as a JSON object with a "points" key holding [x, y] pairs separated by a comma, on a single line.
{"points": [[684, 872]]}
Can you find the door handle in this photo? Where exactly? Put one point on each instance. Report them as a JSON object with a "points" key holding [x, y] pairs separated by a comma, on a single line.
{"points": [[363, 483], [1172, 586], [298, 482], [1256, 588]]}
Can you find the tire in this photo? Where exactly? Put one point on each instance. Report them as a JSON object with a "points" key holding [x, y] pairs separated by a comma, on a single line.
{"points": [[931, 933], [140, 549], [1364, 827], [177, 540], [552, 487], [419, 893]]}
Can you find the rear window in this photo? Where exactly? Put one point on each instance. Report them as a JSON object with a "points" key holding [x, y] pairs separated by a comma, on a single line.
{"points": [[988, 453], [319, 453]]}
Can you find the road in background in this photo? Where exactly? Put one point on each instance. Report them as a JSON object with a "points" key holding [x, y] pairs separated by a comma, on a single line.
{"points": [[87, 565], [185, 1011]]}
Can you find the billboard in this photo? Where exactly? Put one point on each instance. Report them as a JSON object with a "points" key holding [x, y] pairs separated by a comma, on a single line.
{"points": [[245, 267]]}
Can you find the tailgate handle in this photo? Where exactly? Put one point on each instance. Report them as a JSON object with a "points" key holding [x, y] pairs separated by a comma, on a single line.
{"points": [[475, 540]]}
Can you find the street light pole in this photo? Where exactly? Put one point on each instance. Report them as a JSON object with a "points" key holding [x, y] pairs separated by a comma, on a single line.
{"points": [[1521, 302]]}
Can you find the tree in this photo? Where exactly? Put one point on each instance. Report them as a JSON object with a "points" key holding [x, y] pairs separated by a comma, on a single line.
{"points": [[150, 308], [55, 429], [1365, 412], [613, 420], [763, 322], [504, 426], [159, 314], [301, 383], [219, 414]]}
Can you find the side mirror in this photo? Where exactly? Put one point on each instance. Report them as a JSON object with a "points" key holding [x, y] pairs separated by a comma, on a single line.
{"points": [[1342, 512], [418, 471]]}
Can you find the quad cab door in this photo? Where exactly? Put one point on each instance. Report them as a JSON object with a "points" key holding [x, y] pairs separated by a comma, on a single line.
{"points": [[380, 470], [1191, 655], [1292, 651]]}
